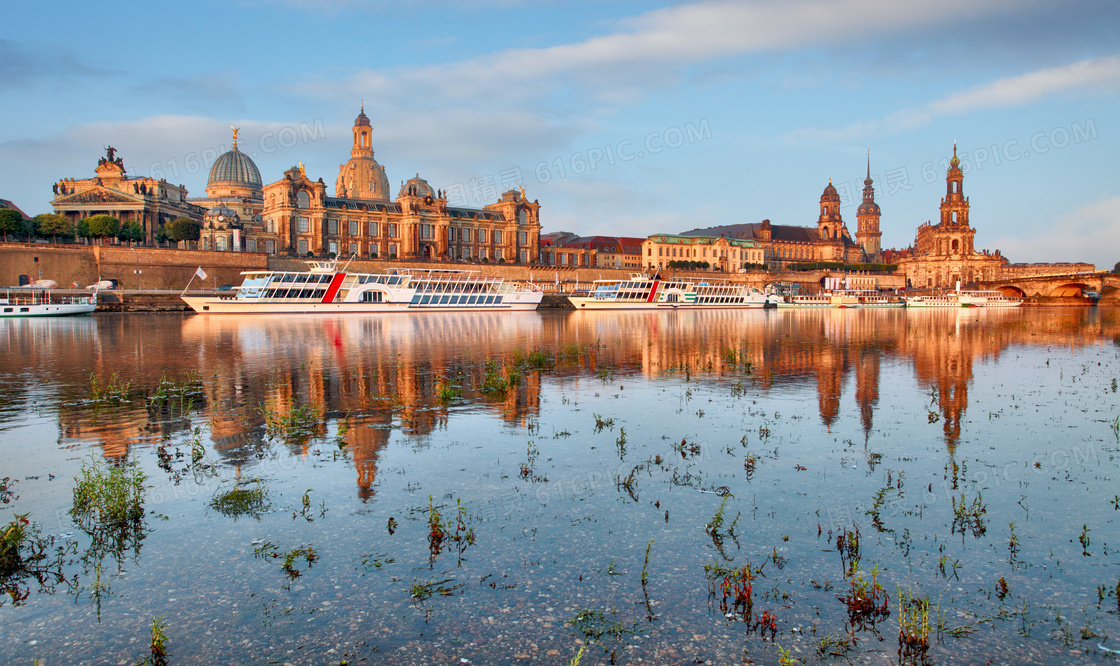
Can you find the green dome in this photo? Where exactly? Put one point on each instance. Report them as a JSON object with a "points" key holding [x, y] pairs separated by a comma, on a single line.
{"points": [[235, 167]]}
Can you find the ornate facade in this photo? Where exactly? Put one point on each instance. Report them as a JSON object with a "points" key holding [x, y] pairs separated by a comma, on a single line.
{"points": [[150, 202], [829, 241], [362, 221], [943, 254], [234, 203], [722, 253]]}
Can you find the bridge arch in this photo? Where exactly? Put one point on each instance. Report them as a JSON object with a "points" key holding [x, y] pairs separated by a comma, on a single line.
{"points": [[1011, 290], [1070, 289]]}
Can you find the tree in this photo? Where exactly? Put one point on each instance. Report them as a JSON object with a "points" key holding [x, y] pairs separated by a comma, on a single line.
{"points": [[132, 231], [50, 224], [10, 221], [102, 226], [183, 229], [1116, 268]]}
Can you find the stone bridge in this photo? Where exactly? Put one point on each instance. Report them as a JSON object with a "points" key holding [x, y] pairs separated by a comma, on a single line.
{"points": [[1058, 286]]}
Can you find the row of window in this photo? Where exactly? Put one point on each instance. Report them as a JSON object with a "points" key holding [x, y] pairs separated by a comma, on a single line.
{"points": [[418, 299], [425, 231]]}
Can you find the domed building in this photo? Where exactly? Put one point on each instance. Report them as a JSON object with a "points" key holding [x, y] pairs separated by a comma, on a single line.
{"points": [[363, 221], [867, 220], [234, 185], [362, 177]]}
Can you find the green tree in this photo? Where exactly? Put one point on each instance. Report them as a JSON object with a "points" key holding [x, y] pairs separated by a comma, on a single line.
{"points": [[132, 232], [10, 221], [183, 229], [102, 226], [50, 224], [1116, 268]]}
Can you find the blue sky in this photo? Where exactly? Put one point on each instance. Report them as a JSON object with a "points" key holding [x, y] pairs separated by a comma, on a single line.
{"points": [[627, 118]]}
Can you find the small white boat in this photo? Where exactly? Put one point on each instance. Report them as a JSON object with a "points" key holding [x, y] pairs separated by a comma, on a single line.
{"points": [[325, 289], [643, 292], [45, 304]]}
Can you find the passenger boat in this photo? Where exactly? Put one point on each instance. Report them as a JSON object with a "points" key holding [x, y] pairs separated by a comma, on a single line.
{"points": [[988, 299], [643, 292], [325, 289], [44, 304], [843, 298], [946, 300]]}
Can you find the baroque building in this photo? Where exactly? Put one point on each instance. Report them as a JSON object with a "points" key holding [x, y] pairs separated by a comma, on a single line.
{"points": [[729, 255], [234, 202], [151, 203], [362, 220], [943, 254], [829, 240]]}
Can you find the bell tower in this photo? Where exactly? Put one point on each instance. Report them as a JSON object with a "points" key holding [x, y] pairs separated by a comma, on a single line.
{"points": [[867, 219], [830, 225], [954, 207]]}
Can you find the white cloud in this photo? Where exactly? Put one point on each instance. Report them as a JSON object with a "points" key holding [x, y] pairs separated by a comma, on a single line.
{"points": [[648, 50], [1096, 75], [1090, 233]]}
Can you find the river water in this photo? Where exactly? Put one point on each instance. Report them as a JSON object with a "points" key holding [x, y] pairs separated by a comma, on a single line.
{"points": [[602, 480]]}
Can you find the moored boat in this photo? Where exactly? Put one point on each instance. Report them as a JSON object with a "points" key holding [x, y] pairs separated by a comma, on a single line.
{"points": [[988, 299], [644, 292], [325, 289], [45, 304]]}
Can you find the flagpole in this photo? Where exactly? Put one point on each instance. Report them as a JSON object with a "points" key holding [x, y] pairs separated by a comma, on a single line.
{"points": [[188, 284]]}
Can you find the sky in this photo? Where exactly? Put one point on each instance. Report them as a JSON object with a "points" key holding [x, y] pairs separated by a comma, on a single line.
{"points": [[620, 117]]}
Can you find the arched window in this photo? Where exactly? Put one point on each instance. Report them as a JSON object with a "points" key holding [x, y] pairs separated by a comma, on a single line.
{"points": [[522, 217], [956, 245], [303, 200]]}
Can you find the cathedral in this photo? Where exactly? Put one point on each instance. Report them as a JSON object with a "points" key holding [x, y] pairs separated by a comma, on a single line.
{"points": [[943, 254], [363, 220]]}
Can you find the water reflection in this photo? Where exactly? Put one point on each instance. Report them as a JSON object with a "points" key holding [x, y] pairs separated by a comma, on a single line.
{"points": [[371, 376]]}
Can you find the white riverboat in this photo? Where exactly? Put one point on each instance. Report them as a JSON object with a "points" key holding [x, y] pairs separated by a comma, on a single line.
{"points": [[842, 298], [988, 299], [45, 304], [963, 299], [325, 289], [643, 292]]}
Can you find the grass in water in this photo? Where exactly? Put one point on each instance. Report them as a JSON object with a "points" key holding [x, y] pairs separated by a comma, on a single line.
{"points": [[113, 494], [26, 555], [159, 642], [297, 422], [242, 501]]}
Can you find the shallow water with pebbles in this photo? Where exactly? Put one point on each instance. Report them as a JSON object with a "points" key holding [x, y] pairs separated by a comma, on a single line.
{"points": [[929, 433]]}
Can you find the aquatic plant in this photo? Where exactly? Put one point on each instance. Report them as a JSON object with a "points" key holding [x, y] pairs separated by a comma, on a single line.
{"points": [[602, 423], [158, 644], [447, 392], [848, 543], [115, 392], [178, 394], [24, 554], [307, 553], [737, 586], [6, 493], [450, 532], [1002, 589], [242, 501], [527, 471], [295, 423], [1084, 540], [1012, 543], [913, 627], [866, 600], [714, 528], [108, 495], [595, 626], [969, 516], [421, 591]]}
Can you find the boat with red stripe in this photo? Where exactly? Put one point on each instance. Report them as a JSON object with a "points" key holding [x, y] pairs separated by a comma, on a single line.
{"points": [[323, 288]]}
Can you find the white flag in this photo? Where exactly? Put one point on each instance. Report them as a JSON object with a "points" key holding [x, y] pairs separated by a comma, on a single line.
{"points": [[200, 273]]}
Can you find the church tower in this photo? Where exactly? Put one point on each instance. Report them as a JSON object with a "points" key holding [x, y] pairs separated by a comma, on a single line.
{"points": [[362, 177], [830, 225], [867, 218], [954, 207]]}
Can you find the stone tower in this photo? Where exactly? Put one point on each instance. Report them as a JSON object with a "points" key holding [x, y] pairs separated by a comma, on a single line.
{"points": [[362, 177], [867, 218], [830, 225]]}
